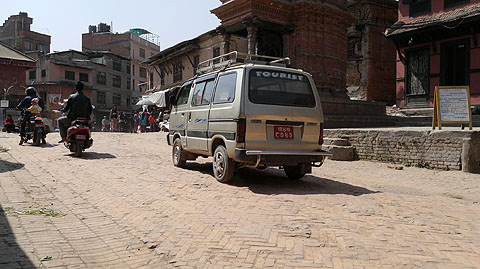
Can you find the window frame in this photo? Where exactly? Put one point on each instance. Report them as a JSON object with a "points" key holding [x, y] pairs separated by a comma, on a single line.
{"points": [[83, 79], [114, 79], [213, 102], [69, 72], [447, 5], [103, 100], [417, 13], [101, 75]]}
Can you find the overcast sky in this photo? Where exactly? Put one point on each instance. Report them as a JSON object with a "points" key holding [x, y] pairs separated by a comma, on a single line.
{"points": [[65, 20]]}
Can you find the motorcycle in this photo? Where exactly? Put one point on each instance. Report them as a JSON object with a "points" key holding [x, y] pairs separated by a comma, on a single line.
{"points": [[79, 137], [34, 129]]}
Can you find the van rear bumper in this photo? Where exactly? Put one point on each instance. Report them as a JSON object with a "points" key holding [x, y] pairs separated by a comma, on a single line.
{"points": [[280, 157]]}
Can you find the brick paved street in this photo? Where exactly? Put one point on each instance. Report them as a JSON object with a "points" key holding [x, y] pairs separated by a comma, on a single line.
{"points": [[124, 205]]}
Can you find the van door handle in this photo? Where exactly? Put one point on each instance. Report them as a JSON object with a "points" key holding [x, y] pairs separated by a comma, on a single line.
{"points": [[189, 115]]}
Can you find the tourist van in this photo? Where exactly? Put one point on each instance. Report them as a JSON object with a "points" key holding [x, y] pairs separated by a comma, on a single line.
{"points": [[248, 113]]}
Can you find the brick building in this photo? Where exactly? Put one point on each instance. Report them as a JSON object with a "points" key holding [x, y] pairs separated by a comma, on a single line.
{"points": [[103, 73], [16, 33], [437, 45], [13, 66], [371, 57], [136, 44]]}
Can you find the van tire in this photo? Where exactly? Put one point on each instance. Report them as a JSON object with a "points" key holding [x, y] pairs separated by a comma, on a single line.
{"points": [[178, 156], [293, 172], [223, 166]]}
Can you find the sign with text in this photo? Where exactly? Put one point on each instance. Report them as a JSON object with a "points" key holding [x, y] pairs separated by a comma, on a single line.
{"points": [[3, 103], [452, 105]]}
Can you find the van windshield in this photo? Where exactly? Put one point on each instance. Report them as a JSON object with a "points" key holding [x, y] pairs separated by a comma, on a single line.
{"points": [[280, 88]]}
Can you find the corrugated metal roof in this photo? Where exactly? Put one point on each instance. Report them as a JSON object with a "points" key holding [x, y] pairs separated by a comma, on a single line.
{"points": [[9, 53], [434, 20]]}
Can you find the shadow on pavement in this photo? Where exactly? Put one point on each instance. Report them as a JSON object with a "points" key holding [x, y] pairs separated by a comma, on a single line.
{"points": [[12, 255], [96, 156], [273, 181], [6, 166]]}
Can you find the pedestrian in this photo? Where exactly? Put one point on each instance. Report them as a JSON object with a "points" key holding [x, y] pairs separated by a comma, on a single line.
{"points": [[143, 120], [151, 120], [113, 119], [135, 122], [9, 124]]}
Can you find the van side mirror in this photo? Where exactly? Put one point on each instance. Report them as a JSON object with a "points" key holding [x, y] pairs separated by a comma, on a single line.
{"points": [[172, 100]]}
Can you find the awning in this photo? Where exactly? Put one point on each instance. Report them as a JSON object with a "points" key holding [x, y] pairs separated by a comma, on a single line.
{"points": [[157, 98]]}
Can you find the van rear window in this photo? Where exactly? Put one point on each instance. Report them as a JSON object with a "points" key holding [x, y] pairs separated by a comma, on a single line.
{"points": [[280, 88]]}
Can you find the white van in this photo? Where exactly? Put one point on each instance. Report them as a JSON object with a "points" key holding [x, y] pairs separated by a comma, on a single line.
{"points": [[248, 114]]}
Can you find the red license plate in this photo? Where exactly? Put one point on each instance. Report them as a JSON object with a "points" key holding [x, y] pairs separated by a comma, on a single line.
{"points": [[283, 132], [81, 136]]}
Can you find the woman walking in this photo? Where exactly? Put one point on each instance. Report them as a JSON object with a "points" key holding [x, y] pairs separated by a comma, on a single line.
{"points": [[113, 118]]}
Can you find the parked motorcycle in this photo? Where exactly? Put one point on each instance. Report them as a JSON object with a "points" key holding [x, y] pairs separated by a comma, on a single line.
{"points": [[34, 129], [79, 137]]}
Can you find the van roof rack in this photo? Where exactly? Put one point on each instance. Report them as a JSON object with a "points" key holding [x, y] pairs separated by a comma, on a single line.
{"points": [[235, 58]]}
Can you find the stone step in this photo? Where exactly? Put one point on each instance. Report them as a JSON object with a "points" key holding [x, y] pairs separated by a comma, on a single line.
{"points": [[336, 141], [341, 153]]}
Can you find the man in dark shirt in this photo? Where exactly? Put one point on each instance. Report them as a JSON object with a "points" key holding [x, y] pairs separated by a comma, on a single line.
{"points": [[78, 106]]}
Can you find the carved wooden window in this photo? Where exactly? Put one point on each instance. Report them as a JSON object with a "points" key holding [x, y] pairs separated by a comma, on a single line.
{"points": [[418, 71]]}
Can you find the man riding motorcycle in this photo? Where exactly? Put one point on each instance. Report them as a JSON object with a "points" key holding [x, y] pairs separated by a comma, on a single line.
{"points": [[31, 94], [78, 106]]}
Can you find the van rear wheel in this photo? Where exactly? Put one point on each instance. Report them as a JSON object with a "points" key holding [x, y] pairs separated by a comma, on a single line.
{"points": [[293, 172], [223, 166], [178, 156]]}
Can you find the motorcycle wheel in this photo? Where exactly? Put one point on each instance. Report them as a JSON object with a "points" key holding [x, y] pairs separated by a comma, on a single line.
{"points": [[36, 139], [78, 151]]}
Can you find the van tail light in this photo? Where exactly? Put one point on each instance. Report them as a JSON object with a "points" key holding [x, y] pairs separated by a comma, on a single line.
{"points": [[320, 138], [241, 129]]}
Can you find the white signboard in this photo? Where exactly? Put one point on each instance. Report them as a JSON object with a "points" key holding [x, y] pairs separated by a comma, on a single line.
{"points": [[3, 103], [454, 105]]}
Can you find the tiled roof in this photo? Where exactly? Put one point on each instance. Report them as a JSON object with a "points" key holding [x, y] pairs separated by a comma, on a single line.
{"points": [[9, 53], [435, 20]]}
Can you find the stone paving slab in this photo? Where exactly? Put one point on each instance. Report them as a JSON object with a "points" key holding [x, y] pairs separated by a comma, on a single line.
{"points": [[126, 206]]}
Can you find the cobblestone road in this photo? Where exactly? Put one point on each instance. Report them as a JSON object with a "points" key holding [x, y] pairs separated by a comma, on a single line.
{"points": [[124, 205]]}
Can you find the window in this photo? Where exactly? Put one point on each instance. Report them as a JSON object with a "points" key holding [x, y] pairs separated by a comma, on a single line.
{"points": [[454, 3], [129, 81], [216, 53], [44, 73], [128, 69], [101, 78], [225, 90], [419, 7], [184, 93], [207, 94], [133, 69], [151, 80], [83, 77], [197, 93], [40, 47], [70, 75], [143, 72], [117, 99], [28, 45], [101, 98], [196, 61], [280, 88], [117, 81], [117, 65], [142, 53], [177, 72], [32, 74]]}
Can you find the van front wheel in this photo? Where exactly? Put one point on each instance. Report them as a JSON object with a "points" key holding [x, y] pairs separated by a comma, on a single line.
{"points": [[223, 167], [178, 156], [294, 172]]}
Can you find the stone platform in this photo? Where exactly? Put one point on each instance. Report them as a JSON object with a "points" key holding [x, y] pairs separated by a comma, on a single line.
{"points": [[449, 149]]}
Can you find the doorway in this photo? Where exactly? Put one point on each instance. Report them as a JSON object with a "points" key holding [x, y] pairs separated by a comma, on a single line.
{"points": [[455, 63]]}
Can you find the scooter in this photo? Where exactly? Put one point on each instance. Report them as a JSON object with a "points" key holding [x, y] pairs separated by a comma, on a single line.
{"points": [[34, 129], [79, 137]]}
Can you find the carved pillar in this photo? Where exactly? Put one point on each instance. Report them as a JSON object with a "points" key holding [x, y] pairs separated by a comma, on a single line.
{"points": [[252, 39], [286, 45], [226, 43]]}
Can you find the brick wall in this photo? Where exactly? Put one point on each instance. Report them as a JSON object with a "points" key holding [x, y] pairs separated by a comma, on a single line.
{"points": [[437, 149]]}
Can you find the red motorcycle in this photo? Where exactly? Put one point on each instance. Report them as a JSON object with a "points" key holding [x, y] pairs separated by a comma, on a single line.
{"points": [[79, 136]]}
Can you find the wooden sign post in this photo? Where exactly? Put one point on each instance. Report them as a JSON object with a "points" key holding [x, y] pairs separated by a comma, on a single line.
{"points": [[452, 106]]}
